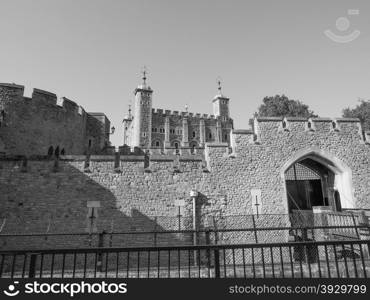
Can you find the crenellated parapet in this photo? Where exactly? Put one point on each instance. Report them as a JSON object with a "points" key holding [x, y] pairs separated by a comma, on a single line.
{"points": [[176, 113], [45, 123], [40, 99], [272, 131]]}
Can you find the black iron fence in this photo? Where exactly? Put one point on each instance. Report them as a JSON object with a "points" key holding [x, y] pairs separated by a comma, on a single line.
{"points": [[183, 237], [326, 259]]}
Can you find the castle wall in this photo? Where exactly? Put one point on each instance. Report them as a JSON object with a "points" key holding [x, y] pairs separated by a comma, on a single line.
{"points": [[97, 130], [137, 192], [193, 121], [31, 125]]}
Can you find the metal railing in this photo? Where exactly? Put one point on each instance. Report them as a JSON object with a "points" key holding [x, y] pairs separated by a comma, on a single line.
{"points": [[326, 259], [182, 237]]}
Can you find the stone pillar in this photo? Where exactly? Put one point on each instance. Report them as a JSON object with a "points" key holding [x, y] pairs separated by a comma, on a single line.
{"points": [[321, 219], [185, 133], [202, 133], [218, 137], [322, 234], [167, 142]]}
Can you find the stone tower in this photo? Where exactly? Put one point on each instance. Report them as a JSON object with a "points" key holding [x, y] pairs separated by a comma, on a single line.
{"points": [[127, 121], [221, 105], [142, 115]]}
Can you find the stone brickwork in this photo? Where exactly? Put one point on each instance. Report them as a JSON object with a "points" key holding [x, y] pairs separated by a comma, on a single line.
{"points": [[135, 189], [169, 131], [31, 126]]}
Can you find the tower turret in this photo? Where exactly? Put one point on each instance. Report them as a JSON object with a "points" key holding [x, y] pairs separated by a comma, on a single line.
{"points": [[221, 104], [142, 115], [127, 123]]}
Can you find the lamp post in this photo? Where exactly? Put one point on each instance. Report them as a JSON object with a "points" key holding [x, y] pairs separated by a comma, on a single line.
{"points": [[193, 196]]}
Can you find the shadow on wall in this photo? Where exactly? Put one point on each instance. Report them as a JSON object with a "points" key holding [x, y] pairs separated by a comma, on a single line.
{"points": [[39, 198]]}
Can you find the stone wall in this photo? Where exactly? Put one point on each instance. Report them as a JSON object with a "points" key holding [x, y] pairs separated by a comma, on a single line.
{"points": [[193, 120], [135, 189], [30, 126]]}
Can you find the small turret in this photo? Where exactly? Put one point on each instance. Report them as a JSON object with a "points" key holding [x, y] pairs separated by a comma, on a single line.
{"points": [[127, 120], [142, 115], [221, 104]]}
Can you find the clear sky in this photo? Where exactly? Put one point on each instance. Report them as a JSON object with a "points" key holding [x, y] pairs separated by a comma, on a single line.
{"points": [[93, 51]]}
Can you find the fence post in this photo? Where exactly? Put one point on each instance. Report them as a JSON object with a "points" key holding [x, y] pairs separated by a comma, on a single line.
{"points": [[208, 242], [217, 263], [100, 245], [354, 224], [364, 231], [155, 232], [255, 229], [32, 269]]}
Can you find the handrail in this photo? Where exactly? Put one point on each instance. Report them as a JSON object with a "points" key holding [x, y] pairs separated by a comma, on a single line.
{"points": [[180, 248]]}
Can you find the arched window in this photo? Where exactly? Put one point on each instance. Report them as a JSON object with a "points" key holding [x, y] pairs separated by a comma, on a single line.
{"points": [[57, 151], [193, 146], [193, 134], [50, 151], [210, 135], [157, 144], [2, 117], [284, 124], [225, 137], [177, 151], [90, 143]]}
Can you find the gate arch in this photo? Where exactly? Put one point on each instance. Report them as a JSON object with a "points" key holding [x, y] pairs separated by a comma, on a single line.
{"points": [[338, 186]]}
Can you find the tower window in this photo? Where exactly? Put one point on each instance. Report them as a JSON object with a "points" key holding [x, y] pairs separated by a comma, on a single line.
{"points": [[2, 117], [225, 137], [157, 143], [210, 135], [192, 149], [144, 134], [90, 142], [50, 151], [193, 134], [56, 151]]}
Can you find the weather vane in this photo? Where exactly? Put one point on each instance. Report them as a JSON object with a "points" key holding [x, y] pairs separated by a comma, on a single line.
{"points": [[144, 74], [219, 84]]}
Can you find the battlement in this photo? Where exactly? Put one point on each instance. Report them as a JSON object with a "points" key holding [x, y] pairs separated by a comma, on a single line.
{"points": [[268, 130], [42, 98], [296, 124], [45, 123], [160, 111]]}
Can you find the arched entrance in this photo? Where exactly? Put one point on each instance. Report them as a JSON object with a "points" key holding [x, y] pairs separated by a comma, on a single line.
{"points": [[315, 178]]}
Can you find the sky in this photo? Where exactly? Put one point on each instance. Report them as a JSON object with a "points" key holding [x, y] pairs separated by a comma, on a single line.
{"points": [[92, 52]]}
